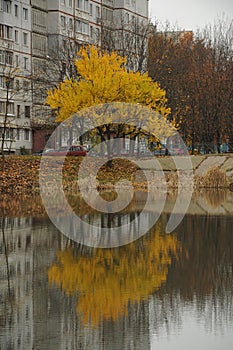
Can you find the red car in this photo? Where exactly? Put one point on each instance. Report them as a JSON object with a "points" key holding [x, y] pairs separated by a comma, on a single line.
{"points": [[74, 151]]}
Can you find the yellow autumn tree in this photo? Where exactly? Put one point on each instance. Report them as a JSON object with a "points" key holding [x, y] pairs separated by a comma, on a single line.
{"points": [[110, 279], [103, 78]]}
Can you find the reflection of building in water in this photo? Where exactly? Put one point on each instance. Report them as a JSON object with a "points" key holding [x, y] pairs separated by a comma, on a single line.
{"points": [[108, 229], [133, 330], [130, 332], [19, 254], [40, 316], [17, 279]]}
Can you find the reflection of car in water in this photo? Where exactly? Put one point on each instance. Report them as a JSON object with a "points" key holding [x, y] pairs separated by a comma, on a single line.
{"points": [[72, 151], [161, 151]]}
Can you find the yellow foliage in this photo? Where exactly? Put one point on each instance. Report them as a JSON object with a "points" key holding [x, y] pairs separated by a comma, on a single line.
{"points": [[110, 279], [103, 78]]}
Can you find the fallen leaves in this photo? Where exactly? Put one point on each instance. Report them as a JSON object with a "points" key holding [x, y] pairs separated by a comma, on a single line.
{"points": [[21, 174]]}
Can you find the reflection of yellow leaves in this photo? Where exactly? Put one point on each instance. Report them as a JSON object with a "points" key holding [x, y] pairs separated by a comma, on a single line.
{"points": [[109, 279]]}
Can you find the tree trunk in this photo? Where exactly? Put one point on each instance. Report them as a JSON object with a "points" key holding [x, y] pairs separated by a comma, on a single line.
{"points": [[4, 128]]}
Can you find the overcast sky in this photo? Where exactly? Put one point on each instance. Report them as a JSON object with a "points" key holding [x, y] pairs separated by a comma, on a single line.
{"points": [[190, 14]]}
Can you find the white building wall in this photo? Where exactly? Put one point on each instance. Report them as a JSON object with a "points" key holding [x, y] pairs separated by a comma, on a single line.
{"points": [[18, 19]]}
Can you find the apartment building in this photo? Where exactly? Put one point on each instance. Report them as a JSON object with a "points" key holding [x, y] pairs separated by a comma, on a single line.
{"points": [[15, 71], [83, 19], [38, 40]]}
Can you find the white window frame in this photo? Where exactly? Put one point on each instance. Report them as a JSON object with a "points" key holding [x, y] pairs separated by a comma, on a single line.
{"points": [[63, 21], [16, 7], [25, 13], [26, 63], [26, 135], [25, 39]]}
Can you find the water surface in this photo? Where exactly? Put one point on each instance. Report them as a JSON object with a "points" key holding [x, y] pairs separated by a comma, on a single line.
{"points": [[163, 291]]}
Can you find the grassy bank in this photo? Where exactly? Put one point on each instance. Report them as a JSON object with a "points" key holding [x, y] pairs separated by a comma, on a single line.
{"points": [[21, 175]]}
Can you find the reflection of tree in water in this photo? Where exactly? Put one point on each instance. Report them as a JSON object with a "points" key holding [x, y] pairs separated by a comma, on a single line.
{"points": [[108, 280], [21, 206], [216, 197], [201, 280], [6, 312]]}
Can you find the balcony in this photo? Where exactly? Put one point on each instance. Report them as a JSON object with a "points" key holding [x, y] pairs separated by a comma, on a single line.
{"points": [[7, 44], [41, 4], [82, 14], [108, 3]]}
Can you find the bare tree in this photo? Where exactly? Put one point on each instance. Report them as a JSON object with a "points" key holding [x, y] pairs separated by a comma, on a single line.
{"points": [[196, 71], [16, 87], [129, 40]]}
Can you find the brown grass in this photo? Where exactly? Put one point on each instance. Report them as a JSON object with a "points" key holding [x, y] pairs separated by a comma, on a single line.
{"points": [[214, 178]]}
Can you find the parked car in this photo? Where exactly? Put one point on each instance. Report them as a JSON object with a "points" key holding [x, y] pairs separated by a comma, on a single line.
{"points": [[37, 153], [74, 151]]}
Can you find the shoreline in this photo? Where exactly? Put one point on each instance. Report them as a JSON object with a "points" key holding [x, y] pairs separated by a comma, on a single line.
{"points": [[204, 202], [21, 173]]}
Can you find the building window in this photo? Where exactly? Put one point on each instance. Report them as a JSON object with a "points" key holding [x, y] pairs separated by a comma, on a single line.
{"points": [[16, 10], [26, 85], [1, 56], [2, 82], [6, 6], [85, 28], [70, 3], [2, 107], [25, 13], [107, 14], [70, 24], [25, 63], [16, 60], [63, 21], [18, 134], [79, 4], [9, 134], [26, 134], [91, 32], [97, 12], [18, 111], [17, 36], [9, 57], [82, 27], [91, 9], [39, 43], [62, 2], [17, 84], [25, 39], [1, 31], [10, 83], [27, 111], [86, 5], [8, 32], [10, 108], [78, 26], [127, 18], [64, 45], [39, 19]]}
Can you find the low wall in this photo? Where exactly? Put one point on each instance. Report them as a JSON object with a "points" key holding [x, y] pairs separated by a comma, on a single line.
{"points": [[186, 167]]}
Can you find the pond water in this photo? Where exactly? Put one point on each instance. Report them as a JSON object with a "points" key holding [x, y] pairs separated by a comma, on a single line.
{"points": [[162, 291]]}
